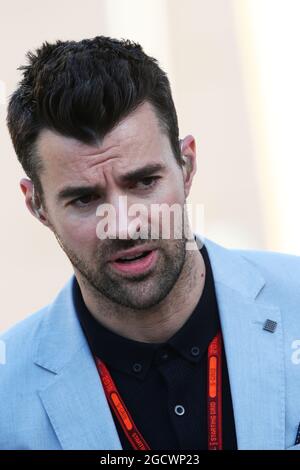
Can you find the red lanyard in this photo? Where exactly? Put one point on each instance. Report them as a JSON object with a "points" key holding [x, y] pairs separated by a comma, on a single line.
{"points": [[214, 400], [214, 393]]}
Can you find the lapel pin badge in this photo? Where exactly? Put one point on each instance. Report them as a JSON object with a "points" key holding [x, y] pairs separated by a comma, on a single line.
{"points": [[270, 325]]}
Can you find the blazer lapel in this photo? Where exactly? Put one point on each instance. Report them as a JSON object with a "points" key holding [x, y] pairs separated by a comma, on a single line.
{"points": [[255, 357], [73, 398]]}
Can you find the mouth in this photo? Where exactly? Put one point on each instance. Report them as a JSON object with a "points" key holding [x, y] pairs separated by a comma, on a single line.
{"points": [[136, 264]]}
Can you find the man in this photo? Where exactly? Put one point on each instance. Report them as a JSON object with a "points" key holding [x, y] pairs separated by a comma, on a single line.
{"points": [[156, 342]]}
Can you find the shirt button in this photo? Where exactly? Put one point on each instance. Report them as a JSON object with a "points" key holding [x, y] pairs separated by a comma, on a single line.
{"points": [[179, 410], [195, 351], [137, 367]]}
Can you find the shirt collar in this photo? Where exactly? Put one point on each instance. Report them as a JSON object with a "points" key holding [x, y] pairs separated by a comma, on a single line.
{"points": [[135, 357]]}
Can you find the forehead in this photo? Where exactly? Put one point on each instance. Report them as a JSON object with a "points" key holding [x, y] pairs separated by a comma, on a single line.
{"points": [[136, 139]]}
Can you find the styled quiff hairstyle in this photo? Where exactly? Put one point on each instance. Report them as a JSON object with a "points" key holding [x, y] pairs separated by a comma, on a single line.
{"points": [[82, 89]]}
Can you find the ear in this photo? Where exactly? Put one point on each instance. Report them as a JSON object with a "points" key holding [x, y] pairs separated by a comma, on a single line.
{"points": [[32, 201], [188, 152]]}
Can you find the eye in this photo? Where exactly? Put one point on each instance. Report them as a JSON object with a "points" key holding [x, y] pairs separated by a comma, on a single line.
{"points": [[148, 182], [84, 201]]}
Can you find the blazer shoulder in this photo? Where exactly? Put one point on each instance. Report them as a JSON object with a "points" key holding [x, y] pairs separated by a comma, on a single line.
{"points": [[274, 265], [24, 327], [17, 345]]}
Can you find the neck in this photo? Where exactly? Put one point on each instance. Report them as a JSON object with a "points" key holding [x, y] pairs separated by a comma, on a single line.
{"points": [[156, 324]]}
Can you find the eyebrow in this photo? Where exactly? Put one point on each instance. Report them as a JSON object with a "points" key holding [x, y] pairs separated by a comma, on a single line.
{"points": [[142, 172], [71, 192], [75, 191]]}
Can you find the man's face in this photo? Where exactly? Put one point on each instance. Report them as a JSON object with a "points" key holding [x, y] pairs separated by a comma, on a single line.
{"points": [[136, 142]]}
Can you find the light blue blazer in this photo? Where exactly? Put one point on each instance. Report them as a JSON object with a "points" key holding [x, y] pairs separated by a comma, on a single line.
{"points": [[51, 396]]}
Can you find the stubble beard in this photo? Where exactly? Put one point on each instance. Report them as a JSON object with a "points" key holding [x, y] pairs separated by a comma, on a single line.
{"points": [[138, 293]]}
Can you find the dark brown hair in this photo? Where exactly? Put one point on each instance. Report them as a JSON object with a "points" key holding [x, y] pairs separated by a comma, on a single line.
{"points": [[82, 89]]}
